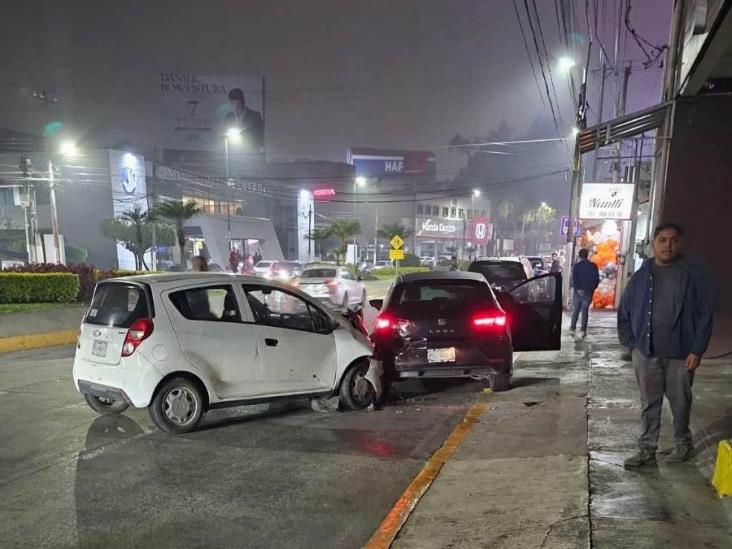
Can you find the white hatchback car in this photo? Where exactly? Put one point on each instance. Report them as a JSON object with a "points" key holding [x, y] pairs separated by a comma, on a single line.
{"points": [[182, 343], [335, 285]]}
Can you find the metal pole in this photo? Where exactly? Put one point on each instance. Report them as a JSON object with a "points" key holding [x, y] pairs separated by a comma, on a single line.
{"points": [[310, 232], [228, 185], [355, 189], [376, 236], [599, 119], [54, 212], [30, 246], [414, 218]]}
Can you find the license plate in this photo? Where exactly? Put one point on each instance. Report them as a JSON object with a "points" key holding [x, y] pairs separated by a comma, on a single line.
{"points": [[99, 348], [441, 355]]}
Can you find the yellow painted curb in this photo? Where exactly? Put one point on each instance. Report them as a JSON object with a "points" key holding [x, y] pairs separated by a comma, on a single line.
{"points": [[399, 513], [722, 480], [36, 341]]}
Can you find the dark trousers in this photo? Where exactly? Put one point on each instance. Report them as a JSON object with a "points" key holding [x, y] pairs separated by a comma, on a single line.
{"points": [[581, 305], [658, 377]]}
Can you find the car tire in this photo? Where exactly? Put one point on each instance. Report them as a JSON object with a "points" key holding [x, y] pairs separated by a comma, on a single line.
{"points": [[499, 382], [177, 406], [356, 392], [106, 407]]}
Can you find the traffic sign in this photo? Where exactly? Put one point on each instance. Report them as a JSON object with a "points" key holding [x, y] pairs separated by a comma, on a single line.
{"points": [[396, 254], [564, 226], [396, 242]]}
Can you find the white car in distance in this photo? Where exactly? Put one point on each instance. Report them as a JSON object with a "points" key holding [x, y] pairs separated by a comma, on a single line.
{"points": [[183, 343], [335, 285]]}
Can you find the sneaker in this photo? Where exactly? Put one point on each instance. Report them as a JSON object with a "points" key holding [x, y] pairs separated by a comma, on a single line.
{"points": [[639, 459], [583, 335], [680, 454]]}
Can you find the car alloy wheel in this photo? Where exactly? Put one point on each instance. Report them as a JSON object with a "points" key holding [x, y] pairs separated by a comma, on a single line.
{"points": [[180, 406]]}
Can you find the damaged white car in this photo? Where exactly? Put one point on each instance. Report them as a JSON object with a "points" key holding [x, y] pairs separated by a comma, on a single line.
{"points": [[183, 343]]}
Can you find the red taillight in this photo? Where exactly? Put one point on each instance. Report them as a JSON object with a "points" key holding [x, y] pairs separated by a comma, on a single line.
{"points": [[138, 332], [486, 321], [384, 324]]}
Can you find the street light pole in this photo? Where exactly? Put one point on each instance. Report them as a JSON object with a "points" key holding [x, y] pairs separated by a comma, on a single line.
{"points": [[228, 185], [54, 212]]}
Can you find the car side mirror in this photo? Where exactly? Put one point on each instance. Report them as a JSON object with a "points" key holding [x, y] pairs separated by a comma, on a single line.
{"points": [[334, 325], [376, 303]]}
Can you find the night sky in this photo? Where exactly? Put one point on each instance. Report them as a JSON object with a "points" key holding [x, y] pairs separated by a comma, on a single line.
{"points": [[407, 74]]}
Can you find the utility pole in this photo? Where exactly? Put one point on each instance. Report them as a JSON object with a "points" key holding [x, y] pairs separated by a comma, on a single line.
{"points": [[54, 209], [310, 232], [414, 216]]}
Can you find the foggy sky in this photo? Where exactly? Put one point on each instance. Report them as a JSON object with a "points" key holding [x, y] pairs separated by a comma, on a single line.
{"points": [[407, 74]]}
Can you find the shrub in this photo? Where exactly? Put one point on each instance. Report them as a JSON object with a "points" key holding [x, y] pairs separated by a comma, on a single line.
{"points": [[38, 287], [383, 273]]}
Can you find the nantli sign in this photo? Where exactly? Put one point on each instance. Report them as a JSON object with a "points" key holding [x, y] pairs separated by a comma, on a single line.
{"points": [[607, 201]]}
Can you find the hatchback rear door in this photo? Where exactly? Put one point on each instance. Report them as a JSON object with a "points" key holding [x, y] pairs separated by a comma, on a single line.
{"points": [[535, 313], [115, 306]]}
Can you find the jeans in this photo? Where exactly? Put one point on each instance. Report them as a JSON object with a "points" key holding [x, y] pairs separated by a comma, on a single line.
{"points": [[658, 377], [581, 304]]}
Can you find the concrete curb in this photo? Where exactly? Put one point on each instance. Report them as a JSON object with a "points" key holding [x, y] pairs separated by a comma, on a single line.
{"points": [[27, 342]]}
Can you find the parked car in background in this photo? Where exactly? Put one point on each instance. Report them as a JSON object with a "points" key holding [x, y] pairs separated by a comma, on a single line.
{"points": [[452, 324], [182, 344], [337, 286], [428, 261], [503, 273]]}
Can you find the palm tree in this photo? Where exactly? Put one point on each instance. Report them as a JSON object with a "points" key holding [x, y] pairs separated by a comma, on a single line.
{"points": [[178, 212], [138, 220], [344, 230], [389, 230], [318, 236]]}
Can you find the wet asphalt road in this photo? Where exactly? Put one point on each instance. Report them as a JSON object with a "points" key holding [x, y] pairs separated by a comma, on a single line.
{"points": [[260, 476]]}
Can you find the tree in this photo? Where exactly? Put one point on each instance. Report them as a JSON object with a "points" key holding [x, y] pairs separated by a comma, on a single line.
{"points": [[137, 218], [344, 230], [318, 236], [138, 239], [178, 212], [388, 231]]}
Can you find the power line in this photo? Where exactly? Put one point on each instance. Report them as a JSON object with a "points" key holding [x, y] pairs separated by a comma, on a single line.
{"points": [[548, 62], [528, 53], [541, 65]]}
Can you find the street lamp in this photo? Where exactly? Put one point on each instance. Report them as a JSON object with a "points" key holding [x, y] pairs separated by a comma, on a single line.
{"points": [[68, 149], [359, 181], [232, 135], [566, 64]]}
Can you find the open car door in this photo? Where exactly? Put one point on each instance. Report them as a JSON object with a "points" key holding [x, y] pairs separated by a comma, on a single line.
{"points": [[534, 309]]}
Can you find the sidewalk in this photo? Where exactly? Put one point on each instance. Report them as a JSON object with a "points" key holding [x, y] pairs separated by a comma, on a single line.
{"points": [[543, 467]]}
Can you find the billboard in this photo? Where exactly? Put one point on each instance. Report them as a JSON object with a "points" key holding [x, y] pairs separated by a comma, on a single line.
{"points": [[195, 111], [384, 163], [129, 189], [607, 200]]}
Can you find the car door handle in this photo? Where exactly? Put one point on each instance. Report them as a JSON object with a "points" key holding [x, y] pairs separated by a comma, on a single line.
{"points": [[271, 342]]}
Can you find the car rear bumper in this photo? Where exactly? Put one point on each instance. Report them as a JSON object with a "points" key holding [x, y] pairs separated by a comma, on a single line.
{"points": [[102, 391], [134, 376], [442, 371]]}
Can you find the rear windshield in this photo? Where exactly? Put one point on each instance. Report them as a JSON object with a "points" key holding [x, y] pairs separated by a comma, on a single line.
{"points": [[117, 305], [319, 273], [505, 273], [444, 293]]}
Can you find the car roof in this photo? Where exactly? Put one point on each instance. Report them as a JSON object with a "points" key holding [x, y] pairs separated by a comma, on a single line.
{"points": [[441, 275], [192, 277]]}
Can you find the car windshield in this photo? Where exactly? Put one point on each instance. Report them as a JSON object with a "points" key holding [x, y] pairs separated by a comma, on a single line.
{"points": [[117, 305], [506, 274], [319, 273]]}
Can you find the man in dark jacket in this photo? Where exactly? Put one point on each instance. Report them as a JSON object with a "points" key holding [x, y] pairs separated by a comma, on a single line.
{"points": [[665, 318], [585, 278], [248, 121]]}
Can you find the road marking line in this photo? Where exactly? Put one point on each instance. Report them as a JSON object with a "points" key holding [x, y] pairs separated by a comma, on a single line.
{"points": [[399, 513]]}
